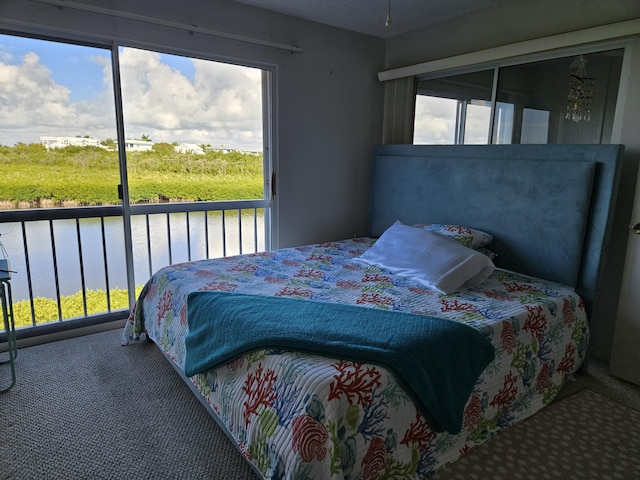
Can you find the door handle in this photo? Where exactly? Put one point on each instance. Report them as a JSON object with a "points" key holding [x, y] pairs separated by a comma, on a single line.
{"points": [[635, 228]]}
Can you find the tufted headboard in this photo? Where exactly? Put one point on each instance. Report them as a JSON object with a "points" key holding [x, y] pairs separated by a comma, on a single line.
{"points": [[549, 207]]}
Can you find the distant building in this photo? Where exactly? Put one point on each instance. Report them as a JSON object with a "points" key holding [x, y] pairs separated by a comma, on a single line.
{"points": [[189, 148], [137, 145], [132, 145], [62, 142]]}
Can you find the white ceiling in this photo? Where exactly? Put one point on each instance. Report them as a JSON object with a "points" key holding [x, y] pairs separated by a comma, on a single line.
{"points": [[368, 16]]}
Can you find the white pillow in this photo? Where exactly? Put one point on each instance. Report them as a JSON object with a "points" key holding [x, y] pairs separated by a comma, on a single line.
{"points": [[429, 258]]}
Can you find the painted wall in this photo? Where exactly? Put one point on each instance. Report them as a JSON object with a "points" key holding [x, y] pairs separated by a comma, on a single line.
{"points": [[328, 99], [493, 28]]}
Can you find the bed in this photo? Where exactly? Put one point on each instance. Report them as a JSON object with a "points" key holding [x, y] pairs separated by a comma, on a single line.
{"points": [[317, 403]]}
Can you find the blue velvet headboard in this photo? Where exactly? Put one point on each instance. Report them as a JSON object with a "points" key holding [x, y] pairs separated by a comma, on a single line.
{"points": [[549, 207]]}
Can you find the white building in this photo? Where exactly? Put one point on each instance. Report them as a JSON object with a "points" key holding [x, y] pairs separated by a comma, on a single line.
{"points": [[137, 145], [62, 142], [189, 148]]}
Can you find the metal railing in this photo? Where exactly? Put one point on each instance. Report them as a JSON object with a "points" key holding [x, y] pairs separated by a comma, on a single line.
{"points": [[71, 255]]}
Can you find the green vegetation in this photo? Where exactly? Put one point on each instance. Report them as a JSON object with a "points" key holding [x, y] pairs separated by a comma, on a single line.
{"points": [[34, 176], [46, 309]]}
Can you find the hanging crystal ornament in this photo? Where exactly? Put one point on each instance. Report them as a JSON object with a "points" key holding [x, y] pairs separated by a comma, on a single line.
{"points": [[581, 92]]}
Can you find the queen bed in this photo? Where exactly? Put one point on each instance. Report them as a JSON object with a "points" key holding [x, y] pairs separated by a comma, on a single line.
{"points": [[322, 361]]}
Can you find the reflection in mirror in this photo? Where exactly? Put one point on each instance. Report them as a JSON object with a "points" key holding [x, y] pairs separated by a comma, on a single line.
{"points": [[454, 110], [541, 92], [532, 101]]}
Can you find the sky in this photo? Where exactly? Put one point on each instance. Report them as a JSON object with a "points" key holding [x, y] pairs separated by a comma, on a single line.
{"points": [[56, 89], [435, 120]]}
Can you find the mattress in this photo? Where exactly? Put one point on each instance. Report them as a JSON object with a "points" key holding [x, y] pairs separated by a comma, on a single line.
{"points": [[294, 414]]}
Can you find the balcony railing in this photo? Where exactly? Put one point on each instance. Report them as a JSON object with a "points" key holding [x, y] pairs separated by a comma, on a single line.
{"points": [[63, 259]]}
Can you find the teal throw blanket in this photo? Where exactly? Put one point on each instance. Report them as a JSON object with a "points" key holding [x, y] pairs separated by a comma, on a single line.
{"points": [[437, 361]]}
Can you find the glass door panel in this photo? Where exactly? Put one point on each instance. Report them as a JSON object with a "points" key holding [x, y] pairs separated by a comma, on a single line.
{"points": [[194, 134], [193, 128], [57, 157], [57, 125]]}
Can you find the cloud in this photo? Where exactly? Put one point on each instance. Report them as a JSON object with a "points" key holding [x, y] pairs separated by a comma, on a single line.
{"points": [[29, 97], [219, 104], [435, 120]]}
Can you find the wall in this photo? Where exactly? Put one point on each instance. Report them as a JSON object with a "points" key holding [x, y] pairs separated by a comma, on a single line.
{"points": [[328, 99], [492, 28]]}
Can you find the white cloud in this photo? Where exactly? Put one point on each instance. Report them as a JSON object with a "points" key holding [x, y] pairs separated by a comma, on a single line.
{"points": [[435, 120], [29, 97], [220, 105]]}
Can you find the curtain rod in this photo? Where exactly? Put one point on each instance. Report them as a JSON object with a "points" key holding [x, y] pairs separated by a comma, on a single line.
{"points": [[570, 39], [167, 23]]}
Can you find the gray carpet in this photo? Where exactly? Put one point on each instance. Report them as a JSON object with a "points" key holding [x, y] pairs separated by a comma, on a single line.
{"points": [[89, 408], [583, 436]]}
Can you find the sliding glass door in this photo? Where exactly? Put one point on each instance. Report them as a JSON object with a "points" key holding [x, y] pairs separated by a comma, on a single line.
{"points": [[95, 198]]}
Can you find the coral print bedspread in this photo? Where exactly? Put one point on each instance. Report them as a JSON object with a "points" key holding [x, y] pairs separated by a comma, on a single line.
{"points": [[299, 415]]}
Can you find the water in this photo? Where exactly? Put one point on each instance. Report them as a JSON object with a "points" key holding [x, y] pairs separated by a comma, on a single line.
{"points": [[65, 236]]}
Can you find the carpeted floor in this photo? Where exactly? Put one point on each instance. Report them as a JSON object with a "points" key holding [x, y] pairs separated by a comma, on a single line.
{"points": [[583, 436], [87, 408]]}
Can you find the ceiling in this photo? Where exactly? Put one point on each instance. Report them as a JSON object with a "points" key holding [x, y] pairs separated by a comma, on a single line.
{"points": [[369, 16]]}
